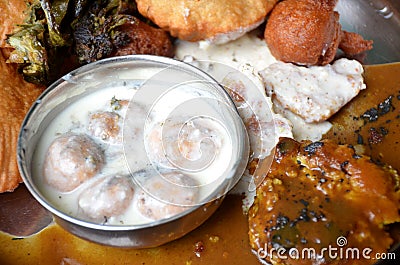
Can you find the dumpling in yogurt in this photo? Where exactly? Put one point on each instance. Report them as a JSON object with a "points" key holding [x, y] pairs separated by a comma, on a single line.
{"points": [[106, 197], [176, 188], [180, 145], [71, 160], [107, 124]]}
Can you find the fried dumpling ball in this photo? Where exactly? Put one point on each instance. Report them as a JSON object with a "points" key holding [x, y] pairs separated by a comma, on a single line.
{"points": [[308, 32], [172, 186], [144, 39], [108, 196], [71, 160], [215, 21]]}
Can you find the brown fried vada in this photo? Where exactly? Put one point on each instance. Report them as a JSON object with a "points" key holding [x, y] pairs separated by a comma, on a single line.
{"points": [[308, 32], [144, 39], [214, 21]]}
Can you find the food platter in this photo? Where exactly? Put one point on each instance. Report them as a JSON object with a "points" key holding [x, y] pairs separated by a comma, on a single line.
{"points": [[222, 239]]}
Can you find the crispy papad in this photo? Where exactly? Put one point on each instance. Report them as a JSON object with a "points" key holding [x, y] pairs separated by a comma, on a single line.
{"points": [[16, 97]]}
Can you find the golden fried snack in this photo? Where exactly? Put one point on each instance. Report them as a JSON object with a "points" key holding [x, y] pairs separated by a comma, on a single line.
{"points": [[308, 32], [215, 21], [16, 97], [12, 13], [303, 32], [317, 195]]}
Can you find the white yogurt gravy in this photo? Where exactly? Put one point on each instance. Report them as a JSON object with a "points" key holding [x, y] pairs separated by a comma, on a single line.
{"points": [[75, 120]]}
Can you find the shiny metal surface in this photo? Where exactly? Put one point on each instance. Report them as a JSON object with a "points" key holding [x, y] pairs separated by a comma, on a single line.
{"points": [[378, 20], [84, 81], [147, 236]]}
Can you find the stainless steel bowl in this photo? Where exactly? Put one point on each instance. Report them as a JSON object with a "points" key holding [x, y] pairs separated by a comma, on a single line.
{"points": [[84, 81]]}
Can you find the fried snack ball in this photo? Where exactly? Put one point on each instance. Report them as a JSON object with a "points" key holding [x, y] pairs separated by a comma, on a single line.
{"points": [[215, 21], [308, 32], [318, 194], [144, 39]]}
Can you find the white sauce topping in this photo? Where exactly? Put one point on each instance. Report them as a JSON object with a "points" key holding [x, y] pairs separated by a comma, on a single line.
{"points": [[185, 132], [223, 38], [314, 93], [302, 130], [248, 49]]}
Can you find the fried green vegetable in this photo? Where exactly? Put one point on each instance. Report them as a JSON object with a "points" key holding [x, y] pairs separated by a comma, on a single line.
{"points": [[94, 31], [30, 53], [38, 38], [55, 13], [61, 29]]}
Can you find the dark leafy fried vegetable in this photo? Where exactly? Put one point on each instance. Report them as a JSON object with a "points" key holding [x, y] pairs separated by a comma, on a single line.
{"points": [[54, 16], [30, 52], [94, 31], [36, 39], [80, 31]]}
